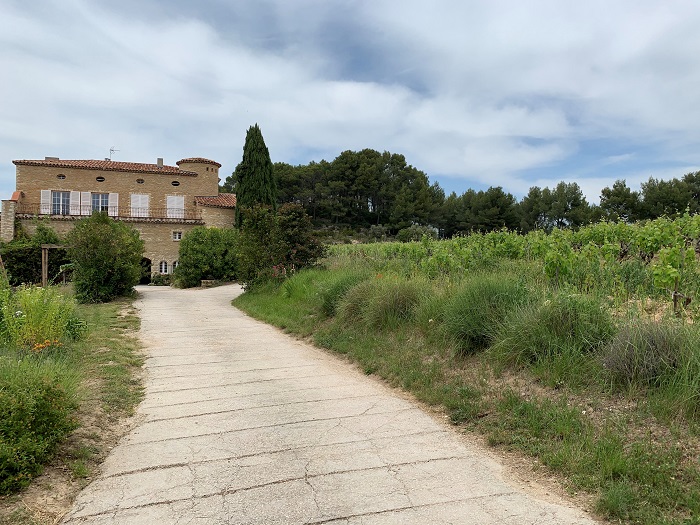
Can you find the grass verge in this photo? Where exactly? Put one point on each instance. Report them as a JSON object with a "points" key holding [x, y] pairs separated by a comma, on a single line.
{"points": [[106, 363], [609, 444]]}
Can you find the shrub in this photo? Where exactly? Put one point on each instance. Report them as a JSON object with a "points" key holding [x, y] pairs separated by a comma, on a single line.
{"points": [[36, 403], [641, 352], [416, 232], [160, 279], [476, 311], [207, 253], [565, 324], [22, 256], [275, 244], [107, 258]]}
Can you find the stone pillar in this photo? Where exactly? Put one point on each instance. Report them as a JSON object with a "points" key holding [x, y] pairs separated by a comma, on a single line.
{"points": [[7, 224]]}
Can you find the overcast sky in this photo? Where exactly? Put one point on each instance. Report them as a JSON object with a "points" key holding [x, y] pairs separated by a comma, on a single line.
{"points": [[484, 93]]}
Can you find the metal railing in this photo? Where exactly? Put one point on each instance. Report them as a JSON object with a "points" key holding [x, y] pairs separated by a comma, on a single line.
{"points": [[116, 212]]}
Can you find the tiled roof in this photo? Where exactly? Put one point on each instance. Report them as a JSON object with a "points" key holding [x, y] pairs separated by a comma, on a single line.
{"points": [[222, 200], [106, 165], [199, 160], [16, 196]]}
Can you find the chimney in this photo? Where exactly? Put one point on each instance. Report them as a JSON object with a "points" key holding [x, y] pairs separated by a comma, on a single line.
{"points": [[160, 162], [107, 159], [50, 158]]}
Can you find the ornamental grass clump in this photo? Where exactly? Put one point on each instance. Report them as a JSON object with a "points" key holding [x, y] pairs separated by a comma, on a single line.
{"points": [[642, 352], [566, 323], [334, 291], [477, 310], [393, 301], [660, 357], [556, 339]]}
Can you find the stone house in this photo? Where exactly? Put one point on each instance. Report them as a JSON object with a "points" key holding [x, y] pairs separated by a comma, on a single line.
{"points": [[162, 202]]}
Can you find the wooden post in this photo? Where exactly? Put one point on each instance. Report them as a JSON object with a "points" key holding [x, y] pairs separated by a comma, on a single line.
{"points": [[44, 266], [45, 263]]}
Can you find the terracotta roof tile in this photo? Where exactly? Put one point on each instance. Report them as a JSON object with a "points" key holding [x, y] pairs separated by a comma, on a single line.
{"points": [[16, 196], [222, 200], [106, 165], [199, 160]]}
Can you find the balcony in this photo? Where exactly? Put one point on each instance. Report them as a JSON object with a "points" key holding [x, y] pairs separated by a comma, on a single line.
{"points": [[121, 213]]}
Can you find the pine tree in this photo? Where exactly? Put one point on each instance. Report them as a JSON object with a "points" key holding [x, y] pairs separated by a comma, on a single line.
{"points": [[254, 175]]}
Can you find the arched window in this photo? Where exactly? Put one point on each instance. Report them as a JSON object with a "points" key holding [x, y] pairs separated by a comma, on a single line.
{"points": [[163, 267]]}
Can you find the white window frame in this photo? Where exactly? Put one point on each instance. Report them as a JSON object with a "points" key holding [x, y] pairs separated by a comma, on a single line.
{"points": [[163, 267], [177, 235], [99, 202], [60, 202]]}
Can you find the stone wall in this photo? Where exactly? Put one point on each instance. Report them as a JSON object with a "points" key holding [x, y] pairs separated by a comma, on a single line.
{"points": [[7, 226], [219, 217]]}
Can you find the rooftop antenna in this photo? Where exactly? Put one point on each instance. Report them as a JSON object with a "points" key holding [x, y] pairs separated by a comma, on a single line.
{"points": [[112, 150]]}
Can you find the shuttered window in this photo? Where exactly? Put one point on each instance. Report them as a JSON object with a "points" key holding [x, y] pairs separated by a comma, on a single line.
{"points": [[139, 205], [176, 206]]}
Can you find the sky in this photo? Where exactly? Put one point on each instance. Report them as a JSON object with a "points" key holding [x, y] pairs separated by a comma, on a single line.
{"points": [[474, 93]]}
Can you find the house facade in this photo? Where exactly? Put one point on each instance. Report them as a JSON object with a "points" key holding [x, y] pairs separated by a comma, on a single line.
{"points": [[162, 202]]}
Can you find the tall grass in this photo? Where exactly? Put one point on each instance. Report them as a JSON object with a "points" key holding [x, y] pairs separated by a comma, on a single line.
{"points": [[479, 307], [338, 285], [660, 357], [555, 338], [381, 302], [32, 318]]}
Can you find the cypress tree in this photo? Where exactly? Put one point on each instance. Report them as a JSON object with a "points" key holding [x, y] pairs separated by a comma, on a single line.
{"points": [[255, 177]]}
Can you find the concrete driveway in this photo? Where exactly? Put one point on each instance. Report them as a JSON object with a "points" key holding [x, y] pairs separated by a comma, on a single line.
{"points": [[242, 424]]}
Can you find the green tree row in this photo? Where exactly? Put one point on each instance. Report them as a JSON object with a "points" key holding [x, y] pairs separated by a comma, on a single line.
{"points": [[366, 188]]}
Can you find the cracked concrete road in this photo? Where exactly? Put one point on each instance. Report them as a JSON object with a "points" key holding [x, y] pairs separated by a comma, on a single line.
{"points": [[242, 424]]}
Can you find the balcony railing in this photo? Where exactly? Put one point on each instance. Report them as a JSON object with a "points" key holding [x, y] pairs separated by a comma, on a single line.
{"points": [[126, 213]]}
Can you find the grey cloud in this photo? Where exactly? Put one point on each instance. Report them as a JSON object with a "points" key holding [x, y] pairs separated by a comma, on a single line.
{"points": [[484, 91]]}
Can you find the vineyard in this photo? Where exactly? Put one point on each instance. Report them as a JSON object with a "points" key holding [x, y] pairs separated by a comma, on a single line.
{"points": [[657, 259]]}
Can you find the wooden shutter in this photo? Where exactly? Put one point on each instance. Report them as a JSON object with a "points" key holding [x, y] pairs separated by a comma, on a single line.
{"points": [[85, 203], [45, 207], [139, 205], [74, 206], [176, 206], [113, 203]]}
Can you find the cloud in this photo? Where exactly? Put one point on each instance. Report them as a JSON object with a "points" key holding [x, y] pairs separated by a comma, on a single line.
{"points": [[504, 93]]}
